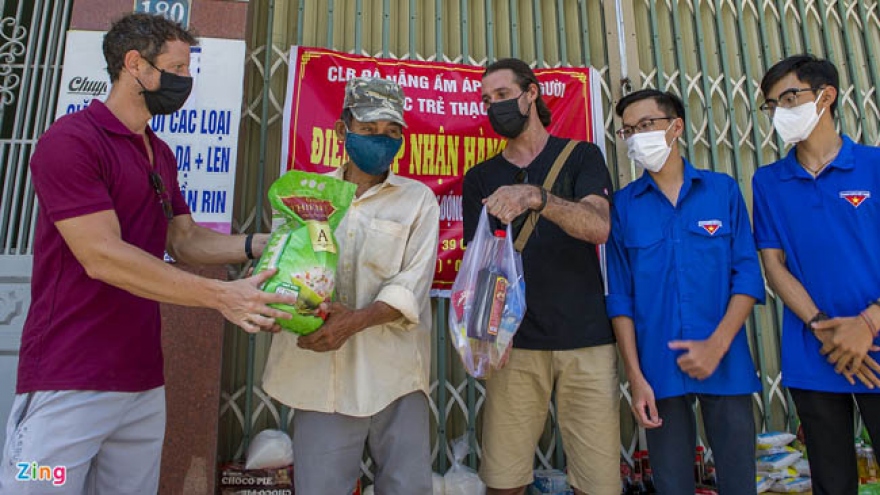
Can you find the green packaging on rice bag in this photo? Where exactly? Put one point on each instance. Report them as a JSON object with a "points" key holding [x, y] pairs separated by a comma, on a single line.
{"points": [[302, 247]]}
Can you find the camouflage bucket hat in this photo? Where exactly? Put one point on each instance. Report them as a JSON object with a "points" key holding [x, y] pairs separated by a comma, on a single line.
{"points": [[372, 99]]}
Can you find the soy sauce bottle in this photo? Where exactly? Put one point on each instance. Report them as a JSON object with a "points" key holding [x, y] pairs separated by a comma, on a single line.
{"points": [[489, 295]]}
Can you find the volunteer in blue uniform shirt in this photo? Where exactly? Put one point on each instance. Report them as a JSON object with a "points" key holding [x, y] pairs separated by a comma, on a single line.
{"points": [[817, 225], [683, 276]]}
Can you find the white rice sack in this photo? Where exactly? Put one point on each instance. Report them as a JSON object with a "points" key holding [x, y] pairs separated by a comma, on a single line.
{"points": [[774, 439], [778, 474], [776, 462], [793, 485], [774, 450], [764, 484]]}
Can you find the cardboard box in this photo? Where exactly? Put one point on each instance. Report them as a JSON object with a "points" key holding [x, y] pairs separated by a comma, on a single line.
{"points": [[236, 480]]}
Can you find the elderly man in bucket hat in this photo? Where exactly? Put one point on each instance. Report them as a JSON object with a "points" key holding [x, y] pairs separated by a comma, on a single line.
{"points": [[362, 378]]}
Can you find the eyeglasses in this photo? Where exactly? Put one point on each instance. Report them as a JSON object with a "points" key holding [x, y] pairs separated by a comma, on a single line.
{"points": [[159, 188], [179, 69], [521, 177], [643, 125], [787, 99]]}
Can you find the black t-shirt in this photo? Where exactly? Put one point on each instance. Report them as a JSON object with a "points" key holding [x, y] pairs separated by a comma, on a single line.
{"points": [[565, 293]]}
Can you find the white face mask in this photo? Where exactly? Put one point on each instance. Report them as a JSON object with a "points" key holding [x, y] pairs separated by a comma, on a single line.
{"points": [[649, 149], [796, 124]]}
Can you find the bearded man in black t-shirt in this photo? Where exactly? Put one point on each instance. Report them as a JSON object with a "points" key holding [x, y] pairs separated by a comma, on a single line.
{"points": [[565, 342]]}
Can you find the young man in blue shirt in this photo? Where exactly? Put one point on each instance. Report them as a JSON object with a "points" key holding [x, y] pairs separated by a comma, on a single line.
{"points": [[817, 225], [683, 276]]}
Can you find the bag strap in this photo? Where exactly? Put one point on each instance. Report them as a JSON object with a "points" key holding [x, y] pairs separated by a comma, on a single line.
{"points": [[532, 219]]}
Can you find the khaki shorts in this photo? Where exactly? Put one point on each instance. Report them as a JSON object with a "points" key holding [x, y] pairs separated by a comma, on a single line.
{"points": [[588, 402]]}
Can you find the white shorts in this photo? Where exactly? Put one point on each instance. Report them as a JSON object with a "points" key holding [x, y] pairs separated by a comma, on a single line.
{"points": [[75, 442]]}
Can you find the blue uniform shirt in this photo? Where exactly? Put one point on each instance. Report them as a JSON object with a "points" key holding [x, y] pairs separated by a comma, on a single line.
{"points": [[673, 270], [829, 229]]}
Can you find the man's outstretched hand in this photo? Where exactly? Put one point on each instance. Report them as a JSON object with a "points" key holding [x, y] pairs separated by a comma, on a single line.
{"points": [[244, 304]]}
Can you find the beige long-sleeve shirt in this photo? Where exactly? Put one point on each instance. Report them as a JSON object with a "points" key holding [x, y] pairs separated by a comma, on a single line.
{"points": [[387, 252]]}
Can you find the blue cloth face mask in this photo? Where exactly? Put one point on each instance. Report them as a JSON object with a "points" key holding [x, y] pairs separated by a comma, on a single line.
{"points": [[372, 153]]}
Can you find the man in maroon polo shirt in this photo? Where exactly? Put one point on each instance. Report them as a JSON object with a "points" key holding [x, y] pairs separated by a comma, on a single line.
{"points": [[90, 400]]}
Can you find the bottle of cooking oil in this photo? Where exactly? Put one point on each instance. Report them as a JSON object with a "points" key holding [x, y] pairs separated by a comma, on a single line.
{"points": [[868, 471]]}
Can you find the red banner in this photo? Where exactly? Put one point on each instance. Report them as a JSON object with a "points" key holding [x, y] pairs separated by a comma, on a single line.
{"points": [[447, 129]]}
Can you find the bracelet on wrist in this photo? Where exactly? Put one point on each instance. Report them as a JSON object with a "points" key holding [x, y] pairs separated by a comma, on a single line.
{"points": [[875, 302], [869, 322], [543, 200], [248, 246]]}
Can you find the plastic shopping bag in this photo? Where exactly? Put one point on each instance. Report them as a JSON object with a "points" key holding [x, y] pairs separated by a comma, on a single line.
{"points": [[550, 482], [303, 248], [438, 484], [488, 300], [460, 479], [270, 449]]}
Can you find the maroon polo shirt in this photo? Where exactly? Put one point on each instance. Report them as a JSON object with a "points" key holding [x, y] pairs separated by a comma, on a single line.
{"points": [[80, 333]]}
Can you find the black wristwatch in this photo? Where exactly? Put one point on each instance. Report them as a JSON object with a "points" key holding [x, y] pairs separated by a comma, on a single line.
{"points": [[820, 316], [248, 250]]}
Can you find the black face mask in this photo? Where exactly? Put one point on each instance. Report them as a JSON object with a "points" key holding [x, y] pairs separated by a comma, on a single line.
{"points": [[506, 119], [171, 95]]}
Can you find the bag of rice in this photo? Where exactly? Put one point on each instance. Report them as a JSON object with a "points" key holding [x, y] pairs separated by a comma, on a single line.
{"points": [[777, 462], [802, 466], [793, 485], [763, 484], [778, 474], [772, 439], [775, 450], [303, 247]]}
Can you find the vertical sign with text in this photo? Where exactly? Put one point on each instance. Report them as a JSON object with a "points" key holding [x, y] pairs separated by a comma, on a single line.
{"points": [[203, 134]]}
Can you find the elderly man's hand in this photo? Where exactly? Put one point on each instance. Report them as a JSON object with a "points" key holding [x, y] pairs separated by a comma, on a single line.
{"points": [[341, 323]]}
